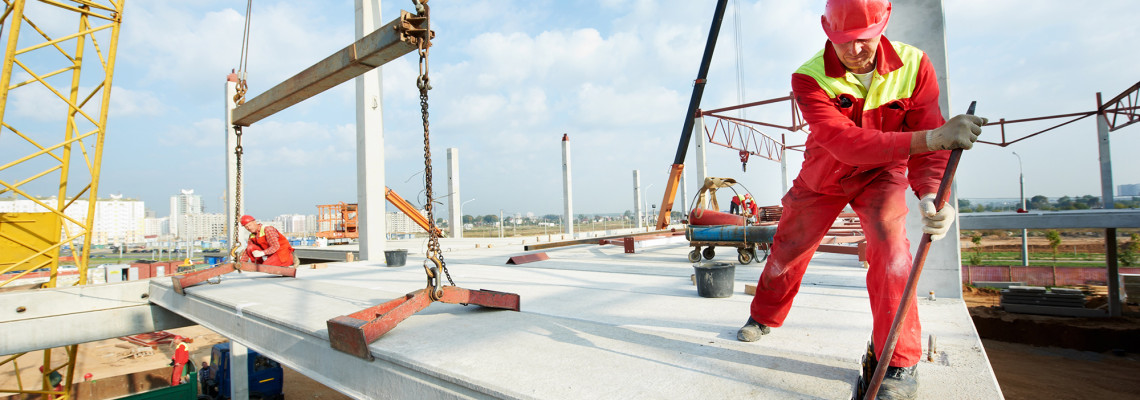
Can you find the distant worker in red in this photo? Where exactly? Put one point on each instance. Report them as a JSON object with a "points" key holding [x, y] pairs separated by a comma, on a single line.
{"points": [[266, 245], [876, 127], [750, 208], [735, 205], [181, 357]]}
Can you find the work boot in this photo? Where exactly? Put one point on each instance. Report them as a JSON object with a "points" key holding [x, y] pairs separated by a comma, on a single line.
{"points": [[900, 383], [752, 331]]}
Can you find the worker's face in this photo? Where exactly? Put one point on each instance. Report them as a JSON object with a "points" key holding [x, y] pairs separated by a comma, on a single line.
{"points": [[252, 226], [858, 55]]}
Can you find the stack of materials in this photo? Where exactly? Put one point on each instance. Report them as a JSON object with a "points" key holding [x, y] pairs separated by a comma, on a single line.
{"points": [[1038, 300], [1131, 286]]}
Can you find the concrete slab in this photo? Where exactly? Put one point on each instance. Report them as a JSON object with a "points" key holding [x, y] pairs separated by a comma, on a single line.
{"points": [[595, 323]]}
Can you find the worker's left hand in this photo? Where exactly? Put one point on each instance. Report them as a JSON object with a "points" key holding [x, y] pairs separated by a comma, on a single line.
{"points": [[258, 253], [935, 222]]}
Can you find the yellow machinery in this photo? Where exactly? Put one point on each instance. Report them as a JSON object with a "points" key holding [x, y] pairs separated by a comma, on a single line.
{"points": [[70, 71]]}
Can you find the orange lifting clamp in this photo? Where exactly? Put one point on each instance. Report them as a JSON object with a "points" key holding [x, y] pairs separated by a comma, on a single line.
{"points": [[181, 282], [352, 333]]}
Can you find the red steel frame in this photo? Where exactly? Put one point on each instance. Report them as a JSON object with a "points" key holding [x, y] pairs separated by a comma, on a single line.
{"points": [[739, 133]]}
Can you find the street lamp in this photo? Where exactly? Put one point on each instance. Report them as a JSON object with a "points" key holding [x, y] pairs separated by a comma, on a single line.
{"points": [[1024, 232], [645, 203], [460, 228]]}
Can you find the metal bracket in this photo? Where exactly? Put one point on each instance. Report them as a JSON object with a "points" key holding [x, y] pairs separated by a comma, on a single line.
{"points": [[353, 332], [181, 282]]}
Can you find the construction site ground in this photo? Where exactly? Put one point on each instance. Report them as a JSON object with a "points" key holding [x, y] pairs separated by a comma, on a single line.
{"points": [[1037, 356], [1023, 370]]}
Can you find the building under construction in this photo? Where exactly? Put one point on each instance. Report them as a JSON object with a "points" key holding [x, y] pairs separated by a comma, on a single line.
{"points": [[553, 317]]}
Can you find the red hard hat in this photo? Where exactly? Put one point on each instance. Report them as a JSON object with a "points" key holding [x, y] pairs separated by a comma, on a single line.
{"points": [[245, 219], [847, 20]]}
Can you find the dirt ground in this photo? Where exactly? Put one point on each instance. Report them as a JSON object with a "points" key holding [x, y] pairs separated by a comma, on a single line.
{"points": [[112, 357], [1029, 364]]}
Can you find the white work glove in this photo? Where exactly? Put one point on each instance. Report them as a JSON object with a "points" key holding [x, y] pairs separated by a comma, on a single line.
{"points": [[960, 132], [935, 222], [258, 253]]}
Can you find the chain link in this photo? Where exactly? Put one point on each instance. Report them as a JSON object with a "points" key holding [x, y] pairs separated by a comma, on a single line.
{"points": [[423, 82], [237, 198]]}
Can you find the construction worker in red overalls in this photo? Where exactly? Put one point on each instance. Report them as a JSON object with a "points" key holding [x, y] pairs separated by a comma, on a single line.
{"points": [[266, 245], [181, 357], [876, 128]]}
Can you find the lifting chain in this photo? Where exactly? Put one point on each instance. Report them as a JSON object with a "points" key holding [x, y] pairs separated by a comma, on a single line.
{"points": [[237, 199], [434, 264]]}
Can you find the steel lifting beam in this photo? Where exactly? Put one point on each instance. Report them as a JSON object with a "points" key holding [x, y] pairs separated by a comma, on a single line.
{"points": [[388, 43], [352, 333], [181, 282]]}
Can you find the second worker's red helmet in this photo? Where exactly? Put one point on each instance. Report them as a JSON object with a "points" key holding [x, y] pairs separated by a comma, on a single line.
{"points": [[245, 219], [847, 20]]}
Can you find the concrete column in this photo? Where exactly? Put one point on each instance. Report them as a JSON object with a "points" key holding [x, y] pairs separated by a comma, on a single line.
{"points": [[1106, 192], [700, 142], [453, 206], [684, 195], [231, 164], [567, 193], [370, 181], [637, 199], [1105, 151], [784, 179], [239, 371], [922, 23]]}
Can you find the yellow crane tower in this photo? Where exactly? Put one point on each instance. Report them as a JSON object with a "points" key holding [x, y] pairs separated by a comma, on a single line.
{"points": [[69, 71]]}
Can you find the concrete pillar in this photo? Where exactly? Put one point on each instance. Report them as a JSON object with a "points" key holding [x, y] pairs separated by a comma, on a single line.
{"points": [[637, 199], [453, 206], [1106, 192], [239, 371], [1105, 151], [567, 193], [922, 23], [231, 164], [370, 144], [784, 178], [684, 195], [700, 142]]}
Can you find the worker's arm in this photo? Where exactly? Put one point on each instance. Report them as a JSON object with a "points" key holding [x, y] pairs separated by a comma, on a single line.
{"points": [[272, 236], [925, 168], [838, 134]]}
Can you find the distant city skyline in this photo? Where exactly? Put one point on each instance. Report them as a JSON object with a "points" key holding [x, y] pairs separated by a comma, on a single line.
{"points": [[510, 77]]}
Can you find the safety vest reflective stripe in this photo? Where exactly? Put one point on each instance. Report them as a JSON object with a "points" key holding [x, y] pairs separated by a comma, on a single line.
{"points": [[897, 84]]}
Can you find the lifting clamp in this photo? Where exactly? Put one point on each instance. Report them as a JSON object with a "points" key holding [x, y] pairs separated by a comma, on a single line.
{"points": [[181, 282], [353, 332]]}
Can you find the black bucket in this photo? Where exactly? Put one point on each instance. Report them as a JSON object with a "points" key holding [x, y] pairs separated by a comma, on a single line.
{"points": [[715, 279], [396, 258]]}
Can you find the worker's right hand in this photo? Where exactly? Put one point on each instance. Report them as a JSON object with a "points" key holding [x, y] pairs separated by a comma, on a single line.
{"points": [[960, 132]]}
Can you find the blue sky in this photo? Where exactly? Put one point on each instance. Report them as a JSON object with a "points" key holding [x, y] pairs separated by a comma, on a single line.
{"points": [[510, 77]]}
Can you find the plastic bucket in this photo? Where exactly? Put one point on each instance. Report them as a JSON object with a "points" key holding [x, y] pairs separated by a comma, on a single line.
{"points": [[715, 279], [395, 258]]}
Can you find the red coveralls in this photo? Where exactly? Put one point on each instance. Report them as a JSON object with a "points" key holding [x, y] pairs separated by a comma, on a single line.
{"points": [[276, 246], [181, 356], [858, 154]]}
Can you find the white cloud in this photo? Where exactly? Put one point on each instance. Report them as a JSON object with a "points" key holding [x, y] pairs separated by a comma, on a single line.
{"points": [[209, 133], [606, 105], [129, 103]]}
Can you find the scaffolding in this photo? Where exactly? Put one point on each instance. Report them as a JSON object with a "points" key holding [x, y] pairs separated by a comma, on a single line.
{"points": [[337, 221], [43, 70]]}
